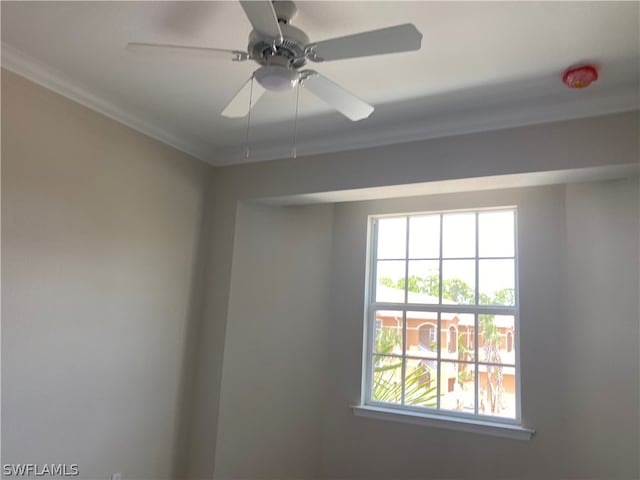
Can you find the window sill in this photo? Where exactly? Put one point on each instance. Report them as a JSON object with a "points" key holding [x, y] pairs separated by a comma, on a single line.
{"points": [[507, 430]]}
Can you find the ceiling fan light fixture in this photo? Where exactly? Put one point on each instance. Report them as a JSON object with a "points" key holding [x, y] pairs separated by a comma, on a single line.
{"points": [[277, 78]]}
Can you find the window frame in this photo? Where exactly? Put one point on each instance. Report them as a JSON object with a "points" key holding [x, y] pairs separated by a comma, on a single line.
{"points": [[489, 423]]}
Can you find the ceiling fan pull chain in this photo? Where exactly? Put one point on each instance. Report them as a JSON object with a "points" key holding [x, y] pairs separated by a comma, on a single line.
{"points": [[246, 145], [295, 124]]}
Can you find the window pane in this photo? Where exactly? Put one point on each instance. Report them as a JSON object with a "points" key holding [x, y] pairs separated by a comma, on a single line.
{"points": [[445, 360], [459, 235], [424, 281], [388, 332], [387, 379], [424, 236], [496, 339], [457, 387], [458, 281], [421, 382], [422, 334], [496, 234], [392, 237], [390, 281], [497, 391], [458, 336], [496, 280]]}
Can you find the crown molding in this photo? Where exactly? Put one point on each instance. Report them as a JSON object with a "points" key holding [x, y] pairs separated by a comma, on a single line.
{"points": [[21, 64]]}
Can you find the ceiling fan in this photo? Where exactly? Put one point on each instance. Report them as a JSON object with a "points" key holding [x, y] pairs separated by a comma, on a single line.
{"points": [[282, 50]]}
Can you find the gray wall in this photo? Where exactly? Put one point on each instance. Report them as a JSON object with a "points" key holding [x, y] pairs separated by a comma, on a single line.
{"points": [[274, 364], [293, 347], [360, 448], [579, 351], [100, 240], [489, 157], [601, 361]]}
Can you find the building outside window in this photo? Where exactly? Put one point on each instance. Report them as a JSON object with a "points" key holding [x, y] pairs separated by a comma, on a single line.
{"points": [[442, 314]]}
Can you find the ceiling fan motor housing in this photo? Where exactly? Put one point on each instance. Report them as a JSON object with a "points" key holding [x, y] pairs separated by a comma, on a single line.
{"points": [[292, 48]]}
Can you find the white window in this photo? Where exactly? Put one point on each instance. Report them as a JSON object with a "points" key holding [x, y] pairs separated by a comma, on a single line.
{"points": [[442, 315]]}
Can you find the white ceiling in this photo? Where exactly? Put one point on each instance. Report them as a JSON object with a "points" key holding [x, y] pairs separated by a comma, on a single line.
{"points": [[481, 66]]}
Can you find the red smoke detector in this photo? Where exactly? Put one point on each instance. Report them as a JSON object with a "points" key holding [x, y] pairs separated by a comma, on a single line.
{"points": [[580, 77]]}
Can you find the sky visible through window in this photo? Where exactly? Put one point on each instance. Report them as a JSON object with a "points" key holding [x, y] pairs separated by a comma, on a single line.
{"points": [[495, 242]]}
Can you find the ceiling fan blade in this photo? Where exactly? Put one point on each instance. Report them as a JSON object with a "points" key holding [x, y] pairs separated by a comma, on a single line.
{"points": [[263, 18], [239, 104], [337, 97], [401, 38], [162, 49]]}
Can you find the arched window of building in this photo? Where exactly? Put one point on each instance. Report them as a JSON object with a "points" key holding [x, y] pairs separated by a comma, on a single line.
{"points": [[427, 337], [509, 342], [453, 339]]}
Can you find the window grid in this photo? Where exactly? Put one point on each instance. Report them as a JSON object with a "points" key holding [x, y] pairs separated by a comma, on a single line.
{"points": [[476, 309], [476, 326], [439, 339]]}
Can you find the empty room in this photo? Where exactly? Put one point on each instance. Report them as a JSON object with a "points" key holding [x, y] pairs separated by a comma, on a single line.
{"points": [[318, 240]]}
